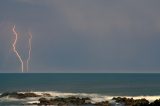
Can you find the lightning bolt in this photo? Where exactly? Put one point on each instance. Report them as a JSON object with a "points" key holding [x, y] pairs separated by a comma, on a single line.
{"points": [[14, 47], [30, 49]]}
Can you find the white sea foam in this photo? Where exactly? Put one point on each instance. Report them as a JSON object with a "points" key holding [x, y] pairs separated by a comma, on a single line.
{"points": [[94, 97], [31, 102], [8, 99]]}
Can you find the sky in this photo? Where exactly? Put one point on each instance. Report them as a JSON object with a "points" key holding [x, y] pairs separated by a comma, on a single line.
{"points": [[80, 36]]}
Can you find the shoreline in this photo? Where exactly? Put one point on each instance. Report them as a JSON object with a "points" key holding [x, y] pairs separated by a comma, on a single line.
{"points": [[55, 98]]}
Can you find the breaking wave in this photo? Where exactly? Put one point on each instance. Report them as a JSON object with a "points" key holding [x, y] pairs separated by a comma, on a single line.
{"points": [[94, 97]]}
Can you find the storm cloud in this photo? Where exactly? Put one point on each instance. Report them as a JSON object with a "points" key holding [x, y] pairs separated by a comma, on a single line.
{"points": [[82, 35]]}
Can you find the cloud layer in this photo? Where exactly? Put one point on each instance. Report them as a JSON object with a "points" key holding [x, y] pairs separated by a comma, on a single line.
{"points": [[83, 36]]}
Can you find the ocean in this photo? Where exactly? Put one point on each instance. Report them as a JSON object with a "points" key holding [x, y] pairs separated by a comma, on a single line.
{"points": [[102, 85]]}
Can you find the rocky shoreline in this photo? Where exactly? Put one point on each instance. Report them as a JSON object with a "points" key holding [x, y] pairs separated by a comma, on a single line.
{"points": [[46, 99]]}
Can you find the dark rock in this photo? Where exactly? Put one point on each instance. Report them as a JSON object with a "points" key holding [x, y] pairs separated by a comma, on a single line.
{"points": [[141, 102], [131, 101], [44, 101], [155, 103], [126, 101], [77, 101], [31, 95], [19, 95], [64, 101], [8, 94], [105, 103], [46, 95]]}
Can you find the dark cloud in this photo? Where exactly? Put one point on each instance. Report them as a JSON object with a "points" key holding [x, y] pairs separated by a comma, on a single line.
{"points": [[83, 36]]}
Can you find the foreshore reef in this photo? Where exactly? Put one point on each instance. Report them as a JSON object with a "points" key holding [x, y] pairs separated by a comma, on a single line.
{"points": [[45, 99]]}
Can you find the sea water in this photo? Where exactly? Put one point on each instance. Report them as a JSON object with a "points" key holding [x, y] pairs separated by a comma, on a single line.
{"points": [[98, 86]]}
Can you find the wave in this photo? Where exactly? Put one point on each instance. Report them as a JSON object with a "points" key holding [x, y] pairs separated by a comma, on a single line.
{"points": [[94, 97]]}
